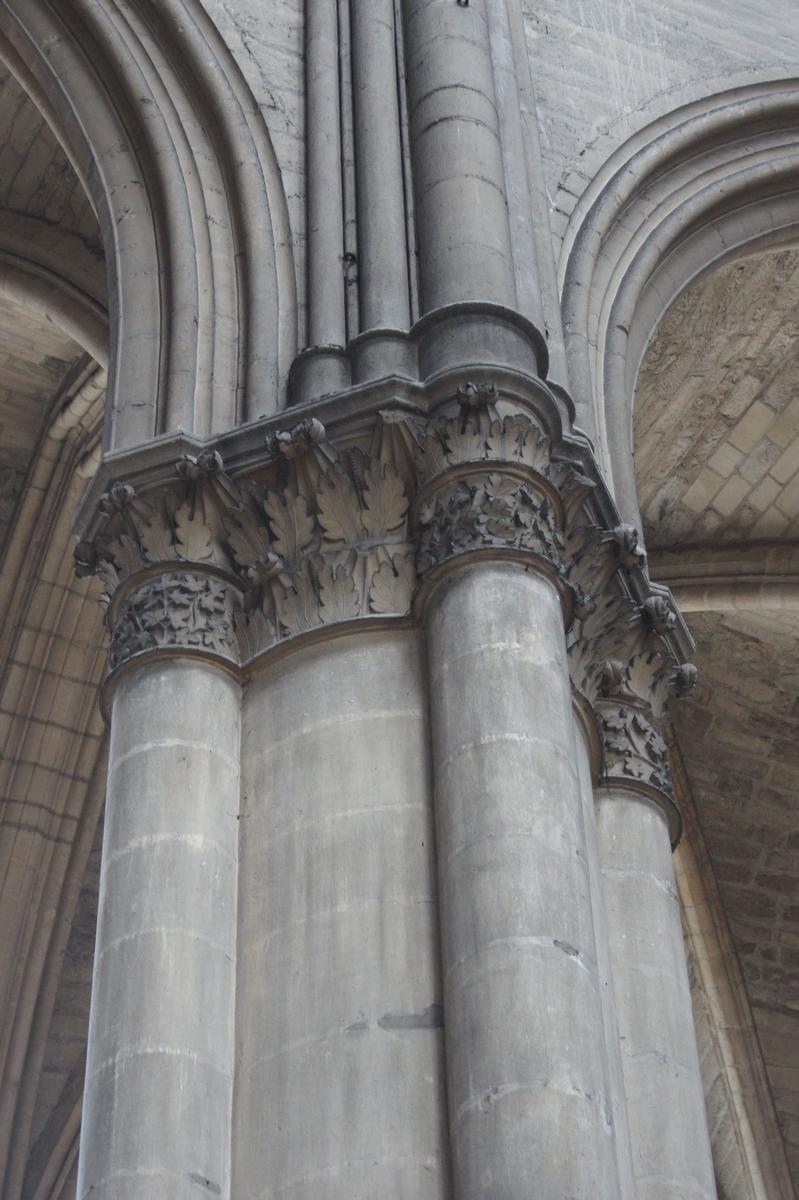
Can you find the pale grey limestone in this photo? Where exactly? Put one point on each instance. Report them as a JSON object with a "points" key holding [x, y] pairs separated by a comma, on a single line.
{"points": [[160, 1070], [340, 1082], [610, 1025], [382, 256], [564, 1008], [461, 208], [527, 1079], [663, 1087], [326, 309]]}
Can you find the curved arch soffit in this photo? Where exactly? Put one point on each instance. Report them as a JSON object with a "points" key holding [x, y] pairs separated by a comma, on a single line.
{"points": [[158, 121], [54, 298], [716, 178]]}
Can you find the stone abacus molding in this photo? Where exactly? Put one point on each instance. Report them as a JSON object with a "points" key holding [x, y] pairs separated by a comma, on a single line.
{"points": [[321, 528]]}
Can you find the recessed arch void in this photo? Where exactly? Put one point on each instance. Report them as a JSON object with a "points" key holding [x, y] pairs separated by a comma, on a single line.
{"points": [[159, 124], [717, 177]]}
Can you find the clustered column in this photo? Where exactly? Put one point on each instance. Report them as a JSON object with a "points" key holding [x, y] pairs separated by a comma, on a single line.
{"points": [[414, 884]]}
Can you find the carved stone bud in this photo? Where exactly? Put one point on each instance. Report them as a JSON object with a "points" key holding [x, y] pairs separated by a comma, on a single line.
{"points": [[291, 443], [116, 499], [207, 463], [659, 615], [477, 395], [264, 569], [585, 604], [684, 679], [85, 558], [630, 554], [610, 678]]}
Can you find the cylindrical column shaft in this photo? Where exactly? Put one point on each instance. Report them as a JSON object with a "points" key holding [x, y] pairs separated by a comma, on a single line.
{"points": [[510, 63], [382, 249], [529, 1111], [325, 205], [340, 1083], [665, 1102], [159, 1076], [614, 1070], [462, 218]]}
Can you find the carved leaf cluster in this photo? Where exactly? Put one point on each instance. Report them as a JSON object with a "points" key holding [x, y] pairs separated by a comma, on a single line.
{"points": [[634, 748], [327, 534], [480, 434], [176, 610], [481, 511], [333, 545]]}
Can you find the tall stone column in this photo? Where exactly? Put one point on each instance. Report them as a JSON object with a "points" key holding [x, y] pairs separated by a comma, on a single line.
{"points": [[159, 1076], [340, 1089], [527, 1081], [625, 658], [637, 823], [589, 750]]}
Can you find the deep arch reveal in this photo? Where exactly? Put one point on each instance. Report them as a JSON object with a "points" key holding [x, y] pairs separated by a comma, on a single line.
{"points": [[710, 179], [160, 125]]}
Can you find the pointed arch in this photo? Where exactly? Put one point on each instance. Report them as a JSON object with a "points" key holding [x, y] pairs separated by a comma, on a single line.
{"points": [[717, 177]]}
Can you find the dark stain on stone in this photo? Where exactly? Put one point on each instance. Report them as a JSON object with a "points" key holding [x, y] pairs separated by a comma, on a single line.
{"points": [[213, 1188], [566, 948], [431, 1018], [357, 1027]]}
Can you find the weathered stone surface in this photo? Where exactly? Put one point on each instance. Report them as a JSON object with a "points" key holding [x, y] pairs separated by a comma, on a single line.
{"points": [[716, 422], [747, 693], [322, 175]]}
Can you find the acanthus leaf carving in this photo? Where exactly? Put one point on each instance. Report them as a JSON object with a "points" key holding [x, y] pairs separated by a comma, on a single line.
{"points": [[339, 510], [486, 511], [292, 528], [325, 533], [392, 585], [297, 601], [385, 502], [338, 595], [193, 533], [255, 632]]}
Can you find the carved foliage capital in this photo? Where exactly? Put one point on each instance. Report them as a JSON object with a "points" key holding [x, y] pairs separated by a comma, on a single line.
{"points": [[318, 534], [176, 611], [484, 476], [635, 750], [323, 532]]}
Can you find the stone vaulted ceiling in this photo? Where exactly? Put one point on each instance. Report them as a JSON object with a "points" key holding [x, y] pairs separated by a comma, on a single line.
{"points": [[717, 464], [717, 409]]}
